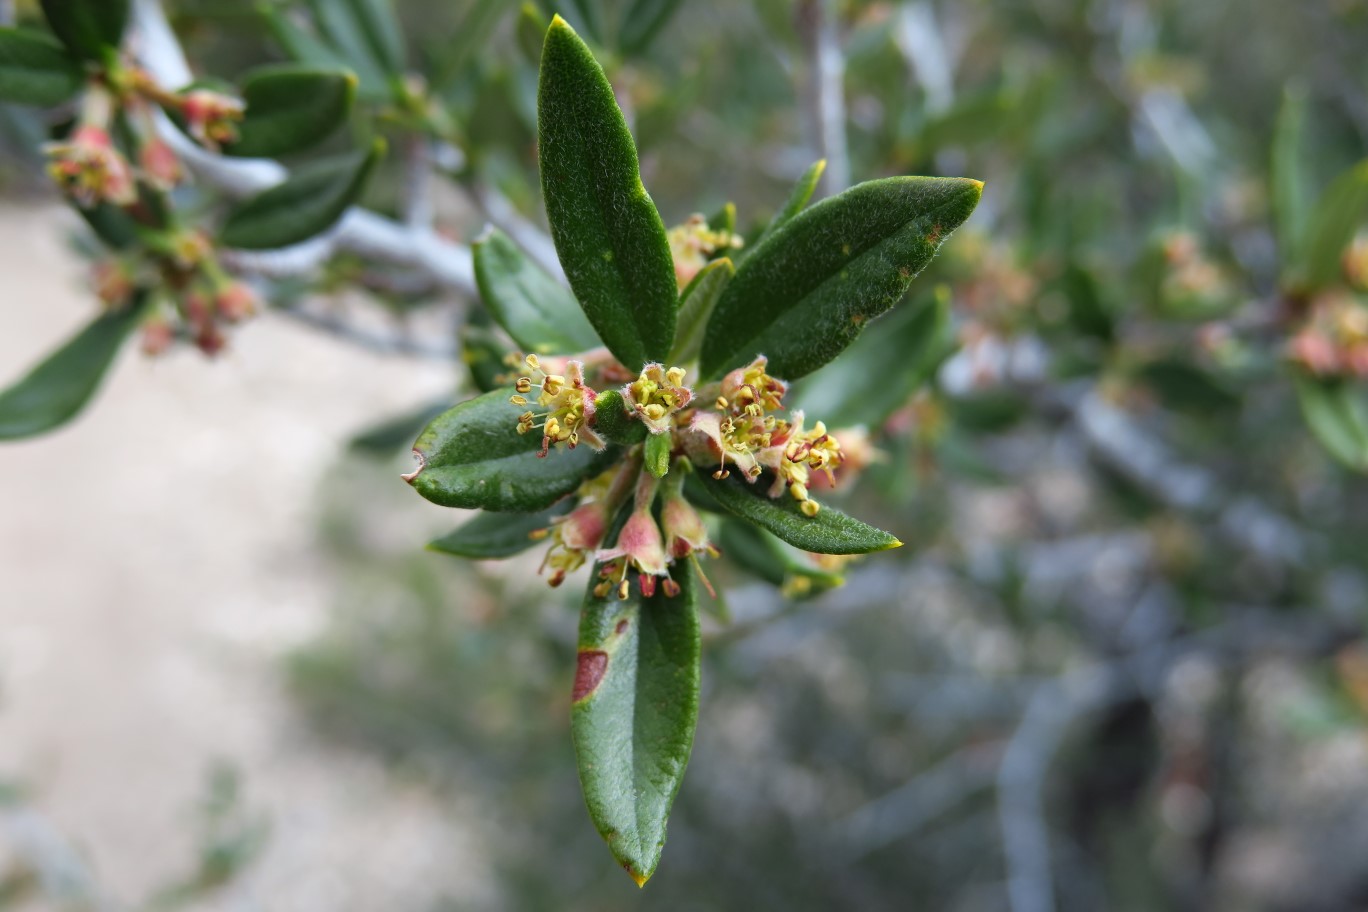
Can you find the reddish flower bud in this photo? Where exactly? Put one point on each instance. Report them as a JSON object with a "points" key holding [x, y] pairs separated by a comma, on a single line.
{"points": [[159, 164], [212, 117], [157, 336], [235, 302]]}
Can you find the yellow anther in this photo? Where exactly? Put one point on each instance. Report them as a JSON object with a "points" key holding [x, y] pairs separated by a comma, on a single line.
{"points": [[532, 362], [518, 400], [810, 508], [524, 385]]}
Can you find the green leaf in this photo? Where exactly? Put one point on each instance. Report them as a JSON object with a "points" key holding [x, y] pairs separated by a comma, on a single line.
{"points": [[1338, 214], [808, 289], [483, 351], [91, 29], [696, 305], [797, 200], [634, 710], [829, 532], [642, 22], [387, 437], [657, 454], [1290, 178], [761, 554], [1335, 411], [35, 70], [473, 456], [532, 26], [495, 535], [588, 12], [380, 28], [346, 26], [56, 390], [608, 233], [537, 311], [307, 204], [472, 34], [290, 108], [111, 224], [615, 421], [882, 369], [307, 49]]}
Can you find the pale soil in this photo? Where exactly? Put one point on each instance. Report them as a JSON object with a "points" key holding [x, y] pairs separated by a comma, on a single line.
{"points": [[156, 559]]}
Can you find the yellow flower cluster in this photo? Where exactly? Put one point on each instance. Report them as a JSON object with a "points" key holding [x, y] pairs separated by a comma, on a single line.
{"points": [[567, 402]]}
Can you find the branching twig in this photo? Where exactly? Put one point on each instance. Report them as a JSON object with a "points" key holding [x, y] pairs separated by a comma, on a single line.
{"points": [[359, 231]]}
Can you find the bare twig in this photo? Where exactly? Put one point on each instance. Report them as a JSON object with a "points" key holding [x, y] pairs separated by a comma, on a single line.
{"points": [[824, 92], [379, 343]]}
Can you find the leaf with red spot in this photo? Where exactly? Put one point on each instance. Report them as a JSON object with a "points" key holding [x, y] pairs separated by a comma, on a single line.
{"points": [[633, 716]]}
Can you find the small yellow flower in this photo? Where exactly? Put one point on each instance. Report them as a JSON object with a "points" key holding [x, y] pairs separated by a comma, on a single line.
{"points": [[693, 242], [568, 404]]}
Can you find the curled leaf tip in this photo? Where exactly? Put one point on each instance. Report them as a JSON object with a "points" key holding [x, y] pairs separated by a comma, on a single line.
{"points": [[639, 878], [422, 464]]}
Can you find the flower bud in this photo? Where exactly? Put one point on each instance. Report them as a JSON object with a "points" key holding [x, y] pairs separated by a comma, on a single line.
{"points": [[212, 117], [159, 163], [235, 302]]}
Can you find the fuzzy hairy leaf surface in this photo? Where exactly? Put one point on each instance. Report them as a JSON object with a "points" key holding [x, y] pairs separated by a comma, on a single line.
{"points": [[35, 70], [809, 289], [829, 532], [472, 456], [634, 710], [608, 234], [494, 535], [54, 391], [534, 309]]}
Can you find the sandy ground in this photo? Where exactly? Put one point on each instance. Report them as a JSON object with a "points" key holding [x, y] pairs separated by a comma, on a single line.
{"points": [[155, 561]]}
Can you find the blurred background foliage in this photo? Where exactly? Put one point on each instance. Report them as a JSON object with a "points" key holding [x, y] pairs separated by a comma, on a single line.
{"points": [[1119, 664]]}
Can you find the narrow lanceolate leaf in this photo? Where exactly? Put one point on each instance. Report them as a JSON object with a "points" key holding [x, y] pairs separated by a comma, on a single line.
{"points": [[1336, 413], [1291, 196], [829, 532], [36, 70], [808, 289], [1342, 208], [58, 388], [290, 108], [538, 312], [882, 369], [635, 705], [608, 233], [642, 22], [696, 304], [494, 535], [763, 555], [307, 204], [473, 457], [797, 200], [307, 48], [346, 25], [89, 28]]}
